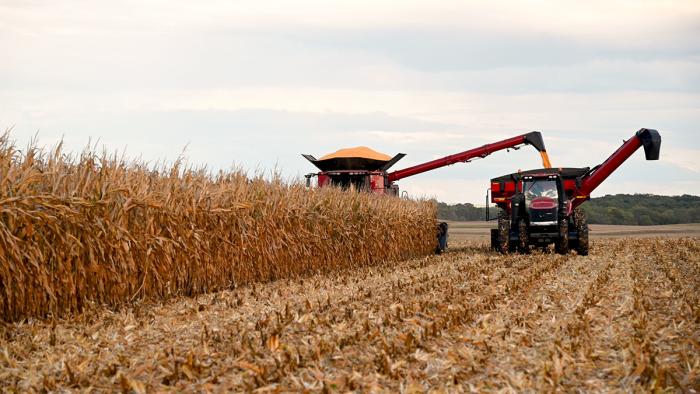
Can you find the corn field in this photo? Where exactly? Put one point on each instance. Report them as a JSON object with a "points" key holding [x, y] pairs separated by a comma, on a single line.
{"points": [[99, 229]]}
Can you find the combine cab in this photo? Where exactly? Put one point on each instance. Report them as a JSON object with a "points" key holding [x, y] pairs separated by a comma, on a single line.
{"points": [[541, 207]]}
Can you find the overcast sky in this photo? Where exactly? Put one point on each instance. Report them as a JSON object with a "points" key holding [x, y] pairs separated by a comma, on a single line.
{"points": [[257, 83]]}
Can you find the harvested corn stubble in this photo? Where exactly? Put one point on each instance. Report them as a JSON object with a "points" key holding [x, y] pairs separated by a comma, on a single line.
{"points": [[623, 319], [100, 229]]}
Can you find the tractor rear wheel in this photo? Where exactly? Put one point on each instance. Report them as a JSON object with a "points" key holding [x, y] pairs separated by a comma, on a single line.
{"points": [[562, 244], [523, 239], [581, 223], [502, 244], [494, 239]]}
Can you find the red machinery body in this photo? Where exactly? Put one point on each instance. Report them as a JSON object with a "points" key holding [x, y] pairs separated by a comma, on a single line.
{"points": [[539, 207], [373, 181], [373, 176]]}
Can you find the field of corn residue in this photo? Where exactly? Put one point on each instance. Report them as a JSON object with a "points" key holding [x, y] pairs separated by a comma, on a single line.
{"points": [[86, 230], [626, 318]]}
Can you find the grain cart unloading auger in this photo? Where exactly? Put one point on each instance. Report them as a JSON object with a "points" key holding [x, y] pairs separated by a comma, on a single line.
{"points": [[540, 207], [367, 171]]}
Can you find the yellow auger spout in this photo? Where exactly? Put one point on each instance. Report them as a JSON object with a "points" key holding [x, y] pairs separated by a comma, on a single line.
{"points": [[545, 159]]}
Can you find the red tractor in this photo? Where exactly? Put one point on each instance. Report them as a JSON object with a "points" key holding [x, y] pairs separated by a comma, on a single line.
{"points": [[541, 207]]}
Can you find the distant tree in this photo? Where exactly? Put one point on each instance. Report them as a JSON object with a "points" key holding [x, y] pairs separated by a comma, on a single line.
{"points": [[463, 212], [644, 220], [616, 215], [643, 209]]}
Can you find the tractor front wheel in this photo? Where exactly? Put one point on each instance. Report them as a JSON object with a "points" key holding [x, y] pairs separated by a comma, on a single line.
{"points": [[523, 239], [562, 244], [502, 244]]}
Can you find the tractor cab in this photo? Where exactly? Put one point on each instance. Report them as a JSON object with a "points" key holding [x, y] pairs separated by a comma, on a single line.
{"points": [[543, 199]]}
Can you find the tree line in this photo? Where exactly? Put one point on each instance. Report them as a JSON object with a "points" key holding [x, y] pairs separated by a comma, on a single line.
{"points": [[643, 209], [625, 209]]}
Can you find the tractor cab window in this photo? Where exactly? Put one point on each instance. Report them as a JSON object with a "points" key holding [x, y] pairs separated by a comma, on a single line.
{"points": [[541, 201], [539, 188]]}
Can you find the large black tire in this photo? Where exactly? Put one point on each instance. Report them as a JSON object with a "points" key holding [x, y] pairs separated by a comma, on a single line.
{"points": [[581, 223], [494, 239], [441, 238], [512, 247], [502, 244], [523, 237], [562, 244]]}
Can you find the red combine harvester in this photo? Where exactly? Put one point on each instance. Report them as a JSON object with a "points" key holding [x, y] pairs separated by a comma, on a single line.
{"points": [[364, 169], [540, 207], [369, 172]]}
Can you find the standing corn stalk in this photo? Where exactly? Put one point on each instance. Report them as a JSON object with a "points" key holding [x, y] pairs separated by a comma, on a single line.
{"points": [[77, 230]]}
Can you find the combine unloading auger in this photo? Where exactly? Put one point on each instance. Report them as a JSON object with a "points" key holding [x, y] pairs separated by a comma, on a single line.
{"points": [[534, 138]]}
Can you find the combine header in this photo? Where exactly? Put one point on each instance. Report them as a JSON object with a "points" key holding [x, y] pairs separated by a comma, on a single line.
{"points": [[539, 207], [365, 169]]}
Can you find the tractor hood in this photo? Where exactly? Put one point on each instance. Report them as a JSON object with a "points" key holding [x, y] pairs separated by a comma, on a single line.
{"points": [[543, 203]]}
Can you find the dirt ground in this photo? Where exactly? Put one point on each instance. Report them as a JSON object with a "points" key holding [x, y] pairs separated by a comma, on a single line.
{"points": [[479, 231], [625, 318]]}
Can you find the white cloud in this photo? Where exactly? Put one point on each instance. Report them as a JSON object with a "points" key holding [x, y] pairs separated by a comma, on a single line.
{"points": [[609, 20], [688, 159], [409, 138]]}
